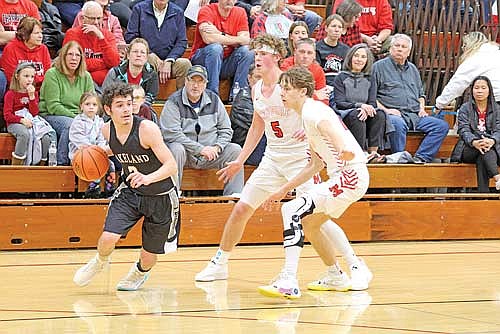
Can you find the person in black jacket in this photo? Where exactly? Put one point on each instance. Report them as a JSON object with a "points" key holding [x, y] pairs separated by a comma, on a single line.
{"points": [[479, 131], [241, 118], [355, 101]]}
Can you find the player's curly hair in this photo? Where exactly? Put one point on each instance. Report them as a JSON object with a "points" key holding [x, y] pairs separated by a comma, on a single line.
{"points": [[298, 77], [272, 41], [114, 90]]}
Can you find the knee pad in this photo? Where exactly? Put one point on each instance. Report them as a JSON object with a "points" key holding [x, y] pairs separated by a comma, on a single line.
{"points": [[293, 212]]}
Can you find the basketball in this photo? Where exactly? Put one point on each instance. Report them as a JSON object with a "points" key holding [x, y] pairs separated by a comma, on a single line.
{"points": [[90, 163]]}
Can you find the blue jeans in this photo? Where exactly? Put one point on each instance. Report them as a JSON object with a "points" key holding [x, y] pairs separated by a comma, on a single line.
{"points": [[235, 66], [61, 125], [435, 131], [311, 19]]}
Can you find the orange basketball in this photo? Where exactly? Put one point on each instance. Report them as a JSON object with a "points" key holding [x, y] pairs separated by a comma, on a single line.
{"points": [[90, 163]]}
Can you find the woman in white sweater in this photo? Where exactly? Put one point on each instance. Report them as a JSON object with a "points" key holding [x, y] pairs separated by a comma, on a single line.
{"points": [[480, 57]]}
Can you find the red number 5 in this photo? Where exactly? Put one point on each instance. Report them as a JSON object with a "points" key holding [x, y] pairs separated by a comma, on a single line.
{"points": [[276, 128]]}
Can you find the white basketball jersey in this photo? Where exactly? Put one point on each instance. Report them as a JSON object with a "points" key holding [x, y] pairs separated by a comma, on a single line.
{"points": [[314, 112], [280, 123]]}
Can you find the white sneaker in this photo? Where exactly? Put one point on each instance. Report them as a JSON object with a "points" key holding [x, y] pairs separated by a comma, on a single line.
{"points": [[331, 282], [133, 281], [283, 285], [84, 275], [212, 272], [361, 276]]}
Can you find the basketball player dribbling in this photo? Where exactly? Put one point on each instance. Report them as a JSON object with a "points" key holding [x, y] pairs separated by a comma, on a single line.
{"points": [[333, 145], [148, 191], [285, 156]]}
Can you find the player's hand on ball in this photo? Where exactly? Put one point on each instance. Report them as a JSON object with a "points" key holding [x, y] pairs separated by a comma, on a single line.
{"points": [[227, 173], [137, 179], [346, 155]]}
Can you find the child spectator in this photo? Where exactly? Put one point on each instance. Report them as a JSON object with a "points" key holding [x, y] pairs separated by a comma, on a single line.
{"points": [[139, 107], [33, 134], [85, 130]]}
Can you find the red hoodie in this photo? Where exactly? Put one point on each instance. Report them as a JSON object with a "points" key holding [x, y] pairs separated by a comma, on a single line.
{"points": [[16, 52], [100, 54], [14, 101]]}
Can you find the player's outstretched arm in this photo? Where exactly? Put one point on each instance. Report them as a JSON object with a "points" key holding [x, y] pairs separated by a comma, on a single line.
{"points": [[150, 137], [254, 135]]}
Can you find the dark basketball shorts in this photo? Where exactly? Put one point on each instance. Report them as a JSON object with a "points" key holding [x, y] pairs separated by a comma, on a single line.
{"points": [[161, 217]]}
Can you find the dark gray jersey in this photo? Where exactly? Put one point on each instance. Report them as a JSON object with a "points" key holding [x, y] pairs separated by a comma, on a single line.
{"points": [[134, 157]]}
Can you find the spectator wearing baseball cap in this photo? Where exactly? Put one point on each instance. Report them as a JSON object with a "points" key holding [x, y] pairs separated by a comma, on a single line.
{"points": [[197, 129]]}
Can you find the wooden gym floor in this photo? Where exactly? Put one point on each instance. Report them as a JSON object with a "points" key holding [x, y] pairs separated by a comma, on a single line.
{"points": [[418, 287]]}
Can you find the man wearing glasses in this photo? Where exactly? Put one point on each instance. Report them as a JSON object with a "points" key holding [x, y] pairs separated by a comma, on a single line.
{"points": [[98, 44]]}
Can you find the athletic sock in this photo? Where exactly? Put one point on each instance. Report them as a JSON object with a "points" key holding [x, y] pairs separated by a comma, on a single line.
{"points": [[292, 256], [340, 242], [221, 257], [140, 268], [335, 269]]}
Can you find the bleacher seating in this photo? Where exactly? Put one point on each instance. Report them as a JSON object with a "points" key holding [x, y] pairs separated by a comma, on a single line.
{"points": [[68, 221]]}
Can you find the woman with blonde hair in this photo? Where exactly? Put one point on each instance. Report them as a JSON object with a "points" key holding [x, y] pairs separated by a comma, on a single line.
{"points": [[477, 59], [60, 94]]}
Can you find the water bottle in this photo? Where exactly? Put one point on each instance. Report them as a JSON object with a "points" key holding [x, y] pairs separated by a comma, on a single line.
{"points": [[52, 154], [235, 91]]}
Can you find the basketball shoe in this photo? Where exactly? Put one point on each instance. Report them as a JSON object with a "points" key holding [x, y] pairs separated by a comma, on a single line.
{"points": [[212, 272], [361, 276], [331, 282], [84, 275], [133, 281], [284, 285]]}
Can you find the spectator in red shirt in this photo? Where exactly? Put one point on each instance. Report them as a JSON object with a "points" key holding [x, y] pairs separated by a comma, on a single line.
{"points": [[11, 13], [305, 56], [221, 44], [109, 22], [27, 47], [375, 23], [98, 44]]}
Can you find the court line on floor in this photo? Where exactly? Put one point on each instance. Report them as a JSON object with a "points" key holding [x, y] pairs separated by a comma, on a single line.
{"points": [[252, 258], [192, 313]]}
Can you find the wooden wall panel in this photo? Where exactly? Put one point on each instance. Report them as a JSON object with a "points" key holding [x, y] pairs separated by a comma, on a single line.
{"points": [[37, 179], [53, 226], [435, 220]]}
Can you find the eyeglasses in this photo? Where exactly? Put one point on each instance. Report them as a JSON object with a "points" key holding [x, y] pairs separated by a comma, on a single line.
{"points": [[92, 18], [138, 97], [73, 55]]}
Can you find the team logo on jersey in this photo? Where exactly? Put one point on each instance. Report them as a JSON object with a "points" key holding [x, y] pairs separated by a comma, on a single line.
{"points": [[348, 180]]}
